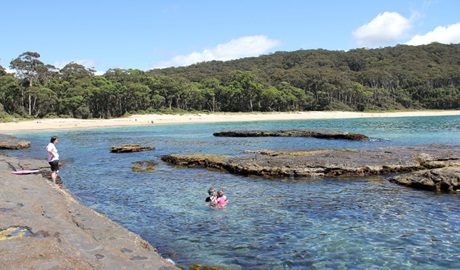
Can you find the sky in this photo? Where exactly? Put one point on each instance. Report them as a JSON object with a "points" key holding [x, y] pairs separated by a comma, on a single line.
{"points": [[148, 34]]}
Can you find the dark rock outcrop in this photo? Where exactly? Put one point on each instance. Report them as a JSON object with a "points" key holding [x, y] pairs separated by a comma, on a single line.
{"points": [[321, 134], [126, 148], [327, 162], [438, 180], [13, 143]]}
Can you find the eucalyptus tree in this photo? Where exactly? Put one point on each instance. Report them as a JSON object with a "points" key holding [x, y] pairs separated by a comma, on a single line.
{"points": [[271, 99], [166, 87], [295, 99], [131, 88], [74, 72], [102, 97], [246, 89], [2, 70], [74, 90], [210, 87], [28, 69], [10, 94]]}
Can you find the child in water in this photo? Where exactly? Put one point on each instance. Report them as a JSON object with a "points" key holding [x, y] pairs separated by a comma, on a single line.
{"points": [[221, 199]]}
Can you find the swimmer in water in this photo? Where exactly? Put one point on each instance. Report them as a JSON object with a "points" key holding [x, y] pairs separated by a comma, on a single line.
{"points": [[221, 199], [212, 199]]}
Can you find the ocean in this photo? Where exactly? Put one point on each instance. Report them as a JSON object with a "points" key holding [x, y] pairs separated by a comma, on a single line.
{"points": [[287, 223]]}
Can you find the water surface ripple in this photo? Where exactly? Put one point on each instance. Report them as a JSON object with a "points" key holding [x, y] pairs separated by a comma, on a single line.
{"points": [[317, 223]]}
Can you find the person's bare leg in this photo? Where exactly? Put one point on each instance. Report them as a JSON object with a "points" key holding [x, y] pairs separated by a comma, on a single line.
{"points": [[54, 177]]}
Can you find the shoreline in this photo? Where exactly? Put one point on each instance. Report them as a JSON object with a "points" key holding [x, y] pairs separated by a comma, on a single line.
{"points": [[191, 118]]}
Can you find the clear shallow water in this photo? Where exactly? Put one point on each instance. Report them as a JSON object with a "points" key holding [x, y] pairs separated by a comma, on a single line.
{"points": [[268, 224]]}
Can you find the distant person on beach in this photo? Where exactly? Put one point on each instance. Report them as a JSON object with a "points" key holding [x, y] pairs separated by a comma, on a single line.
{"points": [[221, 199], [53, 158], [212, 199]]}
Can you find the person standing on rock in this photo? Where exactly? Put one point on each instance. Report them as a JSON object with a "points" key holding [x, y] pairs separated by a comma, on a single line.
{"points": [[53, 158]]}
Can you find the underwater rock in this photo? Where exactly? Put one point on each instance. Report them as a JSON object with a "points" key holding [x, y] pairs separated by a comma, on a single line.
{"points": [[143, 166]]}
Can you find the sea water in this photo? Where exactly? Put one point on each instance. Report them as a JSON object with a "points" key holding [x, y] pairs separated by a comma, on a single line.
{"points": [[287, 223]]}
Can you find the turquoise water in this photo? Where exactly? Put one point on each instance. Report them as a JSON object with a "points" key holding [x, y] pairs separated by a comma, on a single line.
{"points": [[365, 223]]}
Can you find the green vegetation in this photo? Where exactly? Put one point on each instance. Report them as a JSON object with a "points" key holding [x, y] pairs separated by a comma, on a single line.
{"points": [[392, 78]]}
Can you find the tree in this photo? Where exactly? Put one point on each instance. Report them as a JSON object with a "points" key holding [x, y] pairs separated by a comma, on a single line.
{"points": [[28, 69], [245, 84], [2, 71], [9, 94], [74, 71]]}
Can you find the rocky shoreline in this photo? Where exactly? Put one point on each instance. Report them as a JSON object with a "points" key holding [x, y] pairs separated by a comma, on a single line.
{"points": [[44, 227]]}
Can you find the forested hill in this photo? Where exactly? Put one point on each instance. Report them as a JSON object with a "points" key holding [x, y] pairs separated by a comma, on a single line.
{"points": [[391, 78], [398, 77]]}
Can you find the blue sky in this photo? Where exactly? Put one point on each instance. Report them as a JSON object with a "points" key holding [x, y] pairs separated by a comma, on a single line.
{"points": [[146, 34]]}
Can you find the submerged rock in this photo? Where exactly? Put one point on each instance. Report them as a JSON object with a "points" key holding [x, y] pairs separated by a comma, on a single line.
{"points": [[143, 166], [438, 180], [207, 267], [12, 143], [327, 162], [126, 148], [321, 134]]}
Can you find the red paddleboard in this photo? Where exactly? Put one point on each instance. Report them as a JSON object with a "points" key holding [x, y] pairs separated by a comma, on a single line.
{"points": [[25, 172]]}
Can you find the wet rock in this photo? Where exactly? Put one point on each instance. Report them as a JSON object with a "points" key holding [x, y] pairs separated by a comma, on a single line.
{"points": [[126, 148], [327, 162], [321, 134], [13, 143], [439, 180]]}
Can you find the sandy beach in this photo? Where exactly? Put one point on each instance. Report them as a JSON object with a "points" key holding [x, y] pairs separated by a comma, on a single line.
{"points": [[158, 119]]}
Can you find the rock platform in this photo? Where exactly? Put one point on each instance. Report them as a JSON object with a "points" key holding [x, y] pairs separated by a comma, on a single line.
{"points": [[338, 163], [128, 148], [45, 227], [13, 143], [315, 133]]}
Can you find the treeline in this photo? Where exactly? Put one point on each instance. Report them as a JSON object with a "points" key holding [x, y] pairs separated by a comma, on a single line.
{"points": [[392, 78]]}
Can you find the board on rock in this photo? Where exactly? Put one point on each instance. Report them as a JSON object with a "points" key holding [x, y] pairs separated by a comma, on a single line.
{"points": [[25, 171]]}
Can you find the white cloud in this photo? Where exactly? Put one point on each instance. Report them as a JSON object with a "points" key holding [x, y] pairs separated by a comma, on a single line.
{"points": [[446, 35], [234, 49], [387, 27]]}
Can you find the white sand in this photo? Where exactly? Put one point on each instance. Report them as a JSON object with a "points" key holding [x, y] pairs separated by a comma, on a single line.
{"points": [[156, 119]]}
